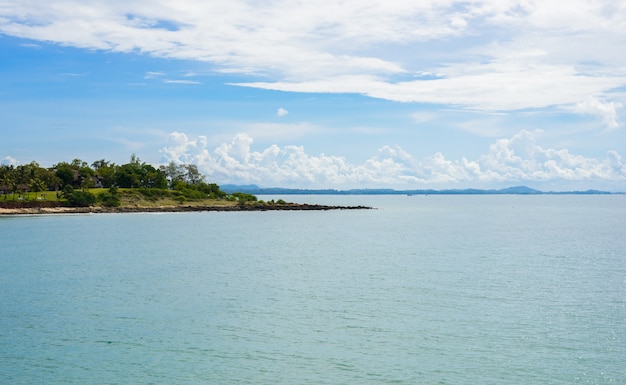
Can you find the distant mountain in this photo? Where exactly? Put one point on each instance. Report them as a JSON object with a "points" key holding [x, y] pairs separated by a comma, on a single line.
{"points": [[517, 190], [231, 188]]}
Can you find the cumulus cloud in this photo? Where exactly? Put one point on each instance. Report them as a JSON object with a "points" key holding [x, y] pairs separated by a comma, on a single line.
{"points": [[517, 159], [516, 55], [8, 161], [606, 111], [281, 112]]}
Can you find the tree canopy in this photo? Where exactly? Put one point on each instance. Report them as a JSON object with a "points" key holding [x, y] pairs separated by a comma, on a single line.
{"points": [[72, 179]]}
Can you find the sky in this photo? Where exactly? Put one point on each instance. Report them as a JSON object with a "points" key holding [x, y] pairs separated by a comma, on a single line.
{"points": [[404, 94]]}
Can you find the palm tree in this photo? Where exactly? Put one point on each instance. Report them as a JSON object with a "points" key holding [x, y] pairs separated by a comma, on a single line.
{"points": [[21, 178], [7, 179], [37, 185], [13, 187]]}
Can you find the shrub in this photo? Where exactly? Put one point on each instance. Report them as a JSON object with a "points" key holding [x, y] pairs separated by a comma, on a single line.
{"points": [[154, 193], [81, 199], [109, 200]]}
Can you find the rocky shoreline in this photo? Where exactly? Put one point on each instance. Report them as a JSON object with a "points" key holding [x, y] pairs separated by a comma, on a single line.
{"points": [[4, 210]]}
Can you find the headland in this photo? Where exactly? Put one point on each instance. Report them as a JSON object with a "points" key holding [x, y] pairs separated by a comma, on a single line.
{"points": [[32, 208]]}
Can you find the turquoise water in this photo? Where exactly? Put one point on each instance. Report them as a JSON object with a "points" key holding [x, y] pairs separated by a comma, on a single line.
{"points": [[423, 290]]}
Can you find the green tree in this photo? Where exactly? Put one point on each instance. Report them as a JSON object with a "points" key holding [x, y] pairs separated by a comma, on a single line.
{"points": [[244, 198], [105, 171], [110, 198], [192, 175], [65, 172], [8, 177], [173, 173], [67, 191], [132, 174], [37, 186], [73, 173], [128, 176], [77, 198], [86, 173], [134, 159], [87, 183], [22, 179], [49, 179], [212, 190], [139, 174], [152, 177], [36, 178], [187, 173]]}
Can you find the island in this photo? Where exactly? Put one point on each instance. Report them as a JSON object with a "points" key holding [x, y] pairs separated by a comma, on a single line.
{"points": [[104, 187]]}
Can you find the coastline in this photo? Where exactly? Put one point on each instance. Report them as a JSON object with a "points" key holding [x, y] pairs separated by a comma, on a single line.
{"points": [[4, 211]]}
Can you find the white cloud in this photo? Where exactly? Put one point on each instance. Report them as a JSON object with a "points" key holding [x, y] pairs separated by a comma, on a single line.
{"points": [[177, 81], [153, 74], [487, 54], [606, 111], [281, 112], [180, 148], [504, 89], [422, 117], [8, 161], [516, 160]]}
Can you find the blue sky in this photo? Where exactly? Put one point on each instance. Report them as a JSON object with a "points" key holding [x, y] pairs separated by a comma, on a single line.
{"points": [[323, 94]]}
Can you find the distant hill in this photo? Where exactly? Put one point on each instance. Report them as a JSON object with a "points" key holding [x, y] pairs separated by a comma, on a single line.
{"points": [[517, 190]]}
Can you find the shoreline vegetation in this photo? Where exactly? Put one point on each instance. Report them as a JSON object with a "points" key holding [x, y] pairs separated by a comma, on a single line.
{"points": [[104, 187], [60, 209], [144, 201]]}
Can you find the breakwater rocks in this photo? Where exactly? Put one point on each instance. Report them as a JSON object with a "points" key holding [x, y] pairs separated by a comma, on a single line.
{"points": [[172, 209], [192, 208]]}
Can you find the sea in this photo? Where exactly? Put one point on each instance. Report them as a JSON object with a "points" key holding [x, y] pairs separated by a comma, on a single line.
{"points": [[437, 289]]}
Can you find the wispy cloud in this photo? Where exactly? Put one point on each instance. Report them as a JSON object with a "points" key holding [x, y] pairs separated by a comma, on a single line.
{"points": [[519, 159], [179, 81], [153, 74], [72, 74], [511, 89], [487, 55], [422, 117]]}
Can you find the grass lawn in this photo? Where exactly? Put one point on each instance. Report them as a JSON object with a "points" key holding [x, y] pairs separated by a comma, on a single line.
{"points": [[31, 196]]}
